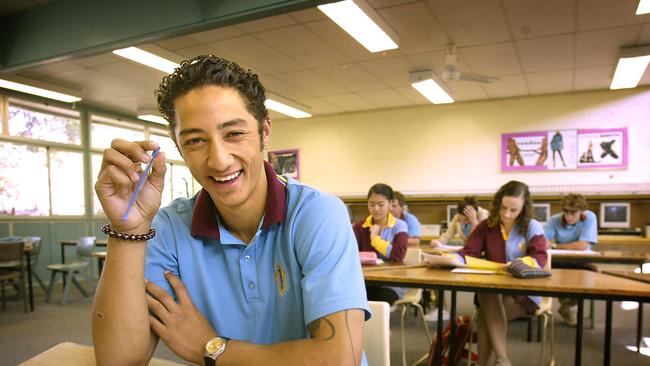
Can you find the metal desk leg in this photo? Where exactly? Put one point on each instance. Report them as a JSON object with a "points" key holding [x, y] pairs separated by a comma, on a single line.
{"points": [[578, 355], [639, 327], [608, 332], [452, 333], [29, 281], [438, 350]]}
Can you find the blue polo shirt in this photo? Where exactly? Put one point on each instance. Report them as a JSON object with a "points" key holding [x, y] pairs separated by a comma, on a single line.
{"points": [[301, 265], [585, 229], [413, 224]]}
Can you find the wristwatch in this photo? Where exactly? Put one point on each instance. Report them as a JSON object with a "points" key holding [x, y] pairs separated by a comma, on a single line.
{"points": [[213, 349]]}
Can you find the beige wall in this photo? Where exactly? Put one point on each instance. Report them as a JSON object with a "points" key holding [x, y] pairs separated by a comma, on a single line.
{"points": [[455, 148]]}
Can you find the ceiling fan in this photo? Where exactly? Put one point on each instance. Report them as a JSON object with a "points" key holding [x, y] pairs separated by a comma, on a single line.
{"points": [[451, 72]]}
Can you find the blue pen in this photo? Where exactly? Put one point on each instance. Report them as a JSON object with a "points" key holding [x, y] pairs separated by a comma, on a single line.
{"points": [[144, 176]]}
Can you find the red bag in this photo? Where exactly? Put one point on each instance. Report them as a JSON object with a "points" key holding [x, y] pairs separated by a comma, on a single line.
{"points": [[463, 332]]}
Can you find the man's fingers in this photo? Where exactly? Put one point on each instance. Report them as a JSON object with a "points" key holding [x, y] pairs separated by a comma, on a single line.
{"points": [[179, 288], [158, 327], [158, 309], [160, 295]]}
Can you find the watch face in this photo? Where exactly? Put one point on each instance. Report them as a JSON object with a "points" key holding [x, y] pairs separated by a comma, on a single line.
{"points": [[214, 345]]}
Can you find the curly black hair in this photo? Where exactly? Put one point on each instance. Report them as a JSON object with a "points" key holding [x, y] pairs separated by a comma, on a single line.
{"points": [[210, 70], [513, 189]]}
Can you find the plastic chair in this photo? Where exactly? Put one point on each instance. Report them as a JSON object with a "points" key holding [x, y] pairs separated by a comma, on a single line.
{"points": [[376, 334], [34, 254], [412, 298], [13, 251], [85, 246]]}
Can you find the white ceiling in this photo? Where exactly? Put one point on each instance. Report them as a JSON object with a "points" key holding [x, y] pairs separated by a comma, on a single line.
{"points": [[534, 47]]}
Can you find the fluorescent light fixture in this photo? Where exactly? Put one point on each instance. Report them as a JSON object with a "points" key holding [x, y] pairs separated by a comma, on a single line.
{"points": [[285, 109], [38, 91], [424, 83], [151, 116], [147, 58], [644, 7], [364, 25], [631, 66]]}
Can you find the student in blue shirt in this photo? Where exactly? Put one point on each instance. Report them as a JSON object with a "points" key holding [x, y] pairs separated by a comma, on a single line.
{"points": [[256, 269], [399, 209], [576, 228]]}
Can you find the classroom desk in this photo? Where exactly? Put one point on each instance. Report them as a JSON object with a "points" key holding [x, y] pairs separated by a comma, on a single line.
{"points": [[564, 282], [73, 354], [101, 257], [607, 256], [66, 243]]}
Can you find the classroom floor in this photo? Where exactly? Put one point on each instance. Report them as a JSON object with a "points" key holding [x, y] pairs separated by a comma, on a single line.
{"points": [[25, 335]]}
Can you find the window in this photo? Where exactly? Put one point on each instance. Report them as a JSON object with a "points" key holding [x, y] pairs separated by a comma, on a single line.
{"points": [[67, 182], [29, 122], [166, 144], [23, 182], [104, 130]]}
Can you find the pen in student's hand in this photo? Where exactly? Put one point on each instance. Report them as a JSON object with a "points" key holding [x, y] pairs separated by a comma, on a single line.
{"points": [[145, 173]]}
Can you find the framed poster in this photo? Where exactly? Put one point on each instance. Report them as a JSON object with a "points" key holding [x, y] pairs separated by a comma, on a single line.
{"points": [[602, 148], [524, 151], [286, 162]]}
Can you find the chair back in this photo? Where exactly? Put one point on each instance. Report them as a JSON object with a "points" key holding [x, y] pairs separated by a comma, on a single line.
{"points": [[85, 246], [376, 334], [12, 251], [36, 248]]}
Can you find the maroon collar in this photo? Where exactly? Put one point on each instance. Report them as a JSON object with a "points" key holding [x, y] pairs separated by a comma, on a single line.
{"points": [[204, 215]]}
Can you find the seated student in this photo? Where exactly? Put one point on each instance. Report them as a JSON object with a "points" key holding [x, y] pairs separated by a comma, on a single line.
{"points": [[384, 234], [509, 233], [468, 215], [575, 228], [399, 209]]}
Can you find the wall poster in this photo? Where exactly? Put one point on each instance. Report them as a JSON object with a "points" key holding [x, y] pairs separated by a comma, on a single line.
{"points": [[286, 162], [564, 149]]}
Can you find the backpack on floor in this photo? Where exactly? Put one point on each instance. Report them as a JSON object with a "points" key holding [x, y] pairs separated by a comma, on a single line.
{"points": [[461, 344]]}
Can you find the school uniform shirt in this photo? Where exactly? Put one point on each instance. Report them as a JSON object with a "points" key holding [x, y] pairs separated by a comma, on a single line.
{"points": [[301, 265], [586, 229], [412, 223], [463, 230], [501, 246], [390, 244]]}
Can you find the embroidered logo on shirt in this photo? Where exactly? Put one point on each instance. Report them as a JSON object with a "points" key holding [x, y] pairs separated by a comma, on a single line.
{"points": [[280, 279], [522, 247]]}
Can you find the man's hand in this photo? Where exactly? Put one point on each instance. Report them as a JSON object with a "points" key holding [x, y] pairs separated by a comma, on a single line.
{"points": [[374, 230], [471, 215], [180, 325]]}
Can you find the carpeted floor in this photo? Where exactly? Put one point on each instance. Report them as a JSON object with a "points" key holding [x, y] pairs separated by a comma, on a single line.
{"points": [[25, 335]]}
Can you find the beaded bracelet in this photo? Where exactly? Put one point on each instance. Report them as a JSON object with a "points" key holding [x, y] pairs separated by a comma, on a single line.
{"points": [[106, 229]]}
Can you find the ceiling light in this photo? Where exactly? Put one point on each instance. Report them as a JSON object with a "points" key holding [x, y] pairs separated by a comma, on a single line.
{"points": [[151, 116], [24, 88], [147, 59], [361, 22], [631, 65], [644, 7], [285, 109], [425, 83]]}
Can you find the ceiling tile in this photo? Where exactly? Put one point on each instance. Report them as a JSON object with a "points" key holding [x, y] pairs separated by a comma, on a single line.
{"points": [[644, 37], [133, 73], [466, 90], [265, 24], [508, 86], [418, 30], [600, 48], [376, 4], [593, 78], [492, 60], [255, 54], [303, 46], [550, 82], [600, 14], [393, 71], [534, 18], [319, 106], [216, 34], [308, 15], [277, 86], [97, 60], [312, 82], [386, 98], [412, 95], [482, 22], [429, 60], [352, 77], [350, 102], [177, 42], [547, 54]]}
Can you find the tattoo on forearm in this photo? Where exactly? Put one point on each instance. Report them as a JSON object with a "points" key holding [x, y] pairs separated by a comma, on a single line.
{"points": [[315, 327], [347, 329]]}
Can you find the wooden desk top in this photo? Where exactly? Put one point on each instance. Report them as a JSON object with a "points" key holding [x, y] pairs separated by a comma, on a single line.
{"points": [[643, 277], [73, 354], [389, 265], [563, 281]]}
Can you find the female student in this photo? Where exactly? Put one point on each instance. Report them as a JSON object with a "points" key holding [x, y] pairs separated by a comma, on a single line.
{"points": [[509, 233], [468, 215], [384, 234], [575, 228]]}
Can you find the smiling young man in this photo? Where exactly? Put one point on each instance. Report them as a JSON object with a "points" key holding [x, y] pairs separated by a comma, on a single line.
{"points": [[256, 269]]}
